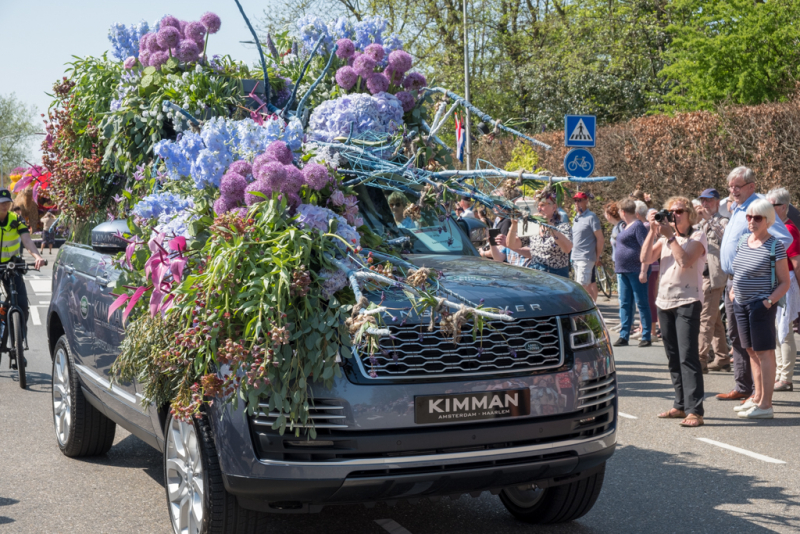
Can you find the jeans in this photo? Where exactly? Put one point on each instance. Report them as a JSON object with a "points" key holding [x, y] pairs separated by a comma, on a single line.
{"points": [[630, 289], [680, 331], [563, 271], [742, 372]]}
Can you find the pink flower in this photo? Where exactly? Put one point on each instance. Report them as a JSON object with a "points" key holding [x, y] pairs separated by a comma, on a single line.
{"points": [[400, 61], [414, 82], [346, 77], [364, 66], [278, 151], [170, 21], [220, 206], [316, 176], [158, 58], [337, 198], [129, 63], [195, 31], [168, 37], [144, 58], [346, 48], [187, 51], [375, 51]]}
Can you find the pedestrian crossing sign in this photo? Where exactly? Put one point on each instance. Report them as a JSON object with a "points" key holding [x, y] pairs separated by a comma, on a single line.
{"points": [[580, 130]]}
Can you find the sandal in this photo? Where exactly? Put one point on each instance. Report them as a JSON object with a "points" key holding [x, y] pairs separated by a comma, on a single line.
{"points": [[673, 414], [692, 420]]}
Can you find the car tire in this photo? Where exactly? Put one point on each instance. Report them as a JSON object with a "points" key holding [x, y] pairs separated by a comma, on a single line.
{"points": [[201, 509], [557, 504], [81, 429]]}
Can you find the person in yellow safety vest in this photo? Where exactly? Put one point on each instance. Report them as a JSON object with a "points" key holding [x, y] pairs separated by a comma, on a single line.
{"points": [[13, 232]]}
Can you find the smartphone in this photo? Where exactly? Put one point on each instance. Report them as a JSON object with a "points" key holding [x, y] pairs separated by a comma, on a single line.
{"points": [[493, 233]]}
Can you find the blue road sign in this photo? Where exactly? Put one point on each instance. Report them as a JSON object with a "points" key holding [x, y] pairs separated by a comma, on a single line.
{"points": [[579, 163], [580, 130]]}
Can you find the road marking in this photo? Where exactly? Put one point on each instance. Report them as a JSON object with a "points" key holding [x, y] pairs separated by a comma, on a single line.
{"points": [[627, 416], [742, 451], [392, 526], [41, 286], [34, 313]]}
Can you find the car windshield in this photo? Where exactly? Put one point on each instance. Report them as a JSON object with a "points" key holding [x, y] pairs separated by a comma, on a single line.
{"points": [[433, 232]]}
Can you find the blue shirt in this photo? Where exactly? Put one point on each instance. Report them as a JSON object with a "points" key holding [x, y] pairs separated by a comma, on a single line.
{"points": [[737, 227]]}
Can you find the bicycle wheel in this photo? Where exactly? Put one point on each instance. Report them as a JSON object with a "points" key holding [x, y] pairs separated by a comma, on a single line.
{"points": [[17, 349], [603, 282]]}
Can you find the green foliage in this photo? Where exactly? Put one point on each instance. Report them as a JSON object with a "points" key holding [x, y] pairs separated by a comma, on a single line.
{"points": [[17, 129], [523, 156], [736, 50]]}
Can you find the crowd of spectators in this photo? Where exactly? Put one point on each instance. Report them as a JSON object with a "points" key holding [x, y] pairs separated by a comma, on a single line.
{"points": [[681, 266]]}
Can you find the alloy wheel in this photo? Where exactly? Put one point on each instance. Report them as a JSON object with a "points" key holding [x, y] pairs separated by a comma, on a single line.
{"points": [[524, 498], [184, 473], [62, 398]]}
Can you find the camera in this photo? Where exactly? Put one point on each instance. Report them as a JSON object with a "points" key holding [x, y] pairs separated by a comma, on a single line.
{"points": [[663, 216]]}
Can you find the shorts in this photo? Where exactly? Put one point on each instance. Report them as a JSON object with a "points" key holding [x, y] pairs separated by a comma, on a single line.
{"points": [[756, 325], [49, 237], [584, 272]]}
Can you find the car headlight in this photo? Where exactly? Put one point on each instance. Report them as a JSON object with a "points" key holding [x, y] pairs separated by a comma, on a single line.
{"points": [[586, 330]]}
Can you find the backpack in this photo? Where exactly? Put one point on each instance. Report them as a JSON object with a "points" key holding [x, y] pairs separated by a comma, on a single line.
{"points": [[782, 301]]}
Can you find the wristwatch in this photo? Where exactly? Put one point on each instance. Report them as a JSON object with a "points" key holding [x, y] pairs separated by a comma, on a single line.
{"points": [[670, 240], [770, 302]]}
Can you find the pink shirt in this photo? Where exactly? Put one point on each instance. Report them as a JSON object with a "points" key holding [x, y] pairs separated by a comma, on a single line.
{"points": [[681, 285]]}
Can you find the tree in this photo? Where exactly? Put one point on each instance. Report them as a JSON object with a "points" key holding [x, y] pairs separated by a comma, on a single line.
{"points": [[17, 126], [743, 51]]}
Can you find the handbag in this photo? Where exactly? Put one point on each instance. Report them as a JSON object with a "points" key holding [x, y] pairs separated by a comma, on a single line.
{"points": [[782, 301]]}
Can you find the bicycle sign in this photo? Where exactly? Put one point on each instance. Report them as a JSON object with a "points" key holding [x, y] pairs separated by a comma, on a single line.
{"points": [[579, 163]]}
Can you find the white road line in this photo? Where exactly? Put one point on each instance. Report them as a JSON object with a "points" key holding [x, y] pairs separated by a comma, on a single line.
{"points": [[627, 416], [742, 451], [392, 526], [41, 286], [34, 312]]}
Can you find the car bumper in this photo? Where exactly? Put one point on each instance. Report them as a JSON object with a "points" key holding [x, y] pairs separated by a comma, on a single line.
{"points": [[306, 486]]}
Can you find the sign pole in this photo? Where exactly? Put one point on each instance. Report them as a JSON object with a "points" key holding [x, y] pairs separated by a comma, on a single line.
{"points": [[467, 149]]}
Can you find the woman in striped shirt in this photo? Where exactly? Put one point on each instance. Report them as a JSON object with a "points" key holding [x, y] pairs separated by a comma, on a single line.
{"points": [[755, 295]]}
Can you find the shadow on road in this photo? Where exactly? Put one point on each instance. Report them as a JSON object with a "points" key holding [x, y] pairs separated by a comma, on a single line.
{"points": [[131, 452], [6, 502]]}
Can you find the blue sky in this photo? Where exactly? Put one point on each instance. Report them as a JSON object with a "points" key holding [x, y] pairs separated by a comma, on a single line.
{"points": [[39, 36]]}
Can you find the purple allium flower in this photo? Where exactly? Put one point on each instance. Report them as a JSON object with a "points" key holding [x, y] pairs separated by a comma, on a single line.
{"points": [[278, 151], [400, 61], [187, 51], [375, 51], [170, 21], [346, 77], [259, 162], [406, 99], [364, 66], [143, 41], [168, 37], [414, 82], [293, 200], [316, 176], [346, 48], [294, 179], [158, 58], [220, 206], [182, 27], [211, 22], [144, 58], [377, 83], [129, 63], [195, 31], [232, 187], [241, 167], [152, 44], [395, 78], [337, 198], [272, 174], [259, 186]]}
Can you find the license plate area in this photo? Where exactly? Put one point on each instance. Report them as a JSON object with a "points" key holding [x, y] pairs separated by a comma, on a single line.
{"points": [[479, 406]]}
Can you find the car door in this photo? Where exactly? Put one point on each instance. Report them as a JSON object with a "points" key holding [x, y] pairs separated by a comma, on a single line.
{"points": [[108, 335], [79, 274]]}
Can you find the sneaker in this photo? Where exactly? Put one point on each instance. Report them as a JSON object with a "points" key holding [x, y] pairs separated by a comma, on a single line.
{"points": [[783, 386], [621, 342], [757, 413], [645, 343], [636, 335], [746, 405]]}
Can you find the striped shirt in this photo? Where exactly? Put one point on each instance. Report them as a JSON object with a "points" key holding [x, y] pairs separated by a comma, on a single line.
{"points": [[515, 258], [752, 272]]}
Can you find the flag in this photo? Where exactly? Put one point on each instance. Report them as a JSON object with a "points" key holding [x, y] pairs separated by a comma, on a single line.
{"points": [[460, 138]]}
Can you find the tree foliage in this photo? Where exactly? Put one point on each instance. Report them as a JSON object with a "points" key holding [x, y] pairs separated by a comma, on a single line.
{"points": [[17, 127]]}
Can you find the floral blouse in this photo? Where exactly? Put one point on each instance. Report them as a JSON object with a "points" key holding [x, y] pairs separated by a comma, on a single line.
{"points": [[545, 251]]}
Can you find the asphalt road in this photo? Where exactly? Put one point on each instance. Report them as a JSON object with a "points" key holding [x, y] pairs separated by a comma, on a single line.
{"points": [[662, 479]]}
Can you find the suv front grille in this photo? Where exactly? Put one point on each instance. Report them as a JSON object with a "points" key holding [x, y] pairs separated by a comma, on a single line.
{"points": [[595, 400], [505, 347], [322, 414]]}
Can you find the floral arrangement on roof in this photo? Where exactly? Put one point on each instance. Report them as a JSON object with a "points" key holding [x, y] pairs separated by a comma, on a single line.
{"points": [[244, 277]]}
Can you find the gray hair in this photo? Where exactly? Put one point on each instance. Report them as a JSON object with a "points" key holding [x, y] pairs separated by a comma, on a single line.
{"points": [[745, 173], [764, 208], [780, 195], [641, 209]]}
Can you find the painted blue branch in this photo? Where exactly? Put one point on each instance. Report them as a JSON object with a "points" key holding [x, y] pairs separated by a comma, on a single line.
{"points": [[316, 82], [300, 78], [511, 174], [484, 116], [260, 52], [435, 139]]}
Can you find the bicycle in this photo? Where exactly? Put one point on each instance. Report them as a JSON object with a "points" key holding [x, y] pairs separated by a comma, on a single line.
{"points": [[12, 318], [604, 282], [579, 161]]}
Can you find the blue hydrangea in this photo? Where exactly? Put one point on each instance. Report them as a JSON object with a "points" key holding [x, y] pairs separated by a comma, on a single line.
{"points": [[175, 225], [159, 204], [125, 39], [377, 114], [311, 217]]}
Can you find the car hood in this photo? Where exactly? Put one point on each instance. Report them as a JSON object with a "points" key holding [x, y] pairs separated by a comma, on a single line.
{"points": [[525, 292]]}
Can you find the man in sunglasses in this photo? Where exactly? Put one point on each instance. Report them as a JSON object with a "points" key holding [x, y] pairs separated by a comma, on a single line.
{"points": [[742, 187], [712, 331]]}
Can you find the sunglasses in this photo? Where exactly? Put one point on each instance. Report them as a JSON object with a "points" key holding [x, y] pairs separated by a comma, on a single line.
{"points": [[756, 218], [776, 205], [678, 211]]}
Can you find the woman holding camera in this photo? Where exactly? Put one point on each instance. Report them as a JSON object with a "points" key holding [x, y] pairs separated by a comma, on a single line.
{"points": [[682, 249]]}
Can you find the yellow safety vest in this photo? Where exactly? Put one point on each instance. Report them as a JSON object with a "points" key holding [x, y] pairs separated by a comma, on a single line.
{"points": [[10, 237]]}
